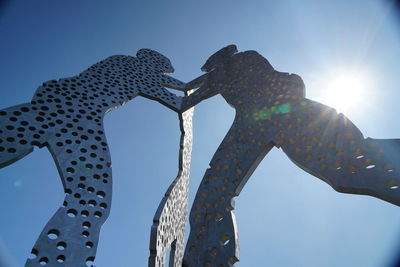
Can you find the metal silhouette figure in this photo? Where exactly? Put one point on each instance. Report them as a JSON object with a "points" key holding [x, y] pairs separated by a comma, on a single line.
{"points": [[169, 223], [66, 116], [272, 111]]}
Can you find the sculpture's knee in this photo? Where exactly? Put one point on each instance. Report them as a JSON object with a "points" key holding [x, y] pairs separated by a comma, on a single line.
{"points": [[214, 240]]}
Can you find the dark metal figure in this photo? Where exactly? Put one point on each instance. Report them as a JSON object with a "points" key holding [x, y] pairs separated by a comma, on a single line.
{"points": [[272, 111]]}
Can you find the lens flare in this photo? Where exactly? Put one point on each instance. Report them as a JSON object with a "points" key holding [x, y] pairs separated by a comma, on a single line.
{"points": [[345, 91], [18, 183]]}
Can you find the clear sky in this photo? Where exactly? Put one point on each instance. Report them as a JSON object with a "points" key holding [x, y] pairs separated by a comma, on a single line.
{"points": [[285, 216]]}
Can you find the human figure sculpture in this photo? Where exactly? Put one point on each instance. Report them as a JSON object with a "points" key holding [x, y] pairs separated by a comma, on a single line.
{"points": [[169, 222], [272, 111], [66, 116]]}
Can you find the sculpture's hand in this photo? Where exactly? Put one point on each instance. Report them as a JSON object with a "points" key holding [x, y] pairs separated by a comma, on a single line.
{"points": [[196, 83], [173, 83], [174, 102], [179, 103]]}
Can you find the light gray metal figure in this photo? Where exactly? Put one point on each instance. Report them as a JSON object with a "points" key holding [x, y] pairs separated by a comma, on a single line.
{"points": [[271, 110], [169, 222], [66, 116]]}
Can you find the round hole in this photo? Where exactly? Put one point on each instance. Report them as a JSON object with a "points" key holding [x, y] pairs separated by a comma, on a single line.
{"points": [[90, 189], [92, 203], [89, 244], [85, 234], [213, 251], [61, 258], [43, 261], [101, 194], [61, 245], [224, 240], [53, 234], [34, 254], [68, 191], [72, 213], [90, 261], [86, 225]]}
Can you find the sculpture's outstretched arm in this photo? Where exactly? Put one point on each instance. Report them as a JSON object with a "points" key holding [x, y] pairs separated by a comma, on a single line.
{"points": [[207, 89], [163, 96], [329, 146], [196, 83], [173, 83]]}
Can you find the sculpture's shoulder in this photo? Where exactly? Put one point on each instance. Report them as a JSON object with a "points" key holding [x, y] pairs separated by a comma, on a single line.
{"points": [[294, 78], [286, 76], [113, 62], [297, 83], [119, 59], [291, 81], [251, 58]]}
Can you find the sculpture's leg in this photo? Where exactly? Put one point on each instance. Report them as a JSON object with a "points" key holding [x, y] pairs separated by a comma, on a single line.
{"points": [[213, 238], [17, 131], [70, 237], [168, 229], [330, 146]]}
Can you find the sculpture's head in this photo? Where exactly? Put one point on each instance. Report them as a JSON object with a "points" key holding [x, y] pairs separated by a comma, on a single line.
{"points": [[219, 58], [160, 62]]}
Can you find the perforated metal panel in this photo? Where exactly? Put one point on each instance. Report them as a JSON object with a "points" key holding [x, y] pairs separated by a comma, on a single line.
{"points": [[168, 229], [66, 116]]}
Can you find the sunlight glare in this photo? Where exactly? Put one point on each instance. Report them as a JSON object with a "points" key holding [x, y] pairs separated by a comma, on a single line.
{"points": [[345, 91]]}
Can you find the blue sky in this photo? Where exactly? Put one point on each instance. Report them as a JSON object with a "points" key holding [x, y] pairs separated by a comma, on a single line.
{"points": [[285, 216]]}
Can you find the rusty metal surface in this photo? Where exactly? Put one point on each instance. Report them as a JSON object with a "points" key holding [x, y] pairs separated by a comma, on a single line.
{"points": [[66, 116], [272, 111]]}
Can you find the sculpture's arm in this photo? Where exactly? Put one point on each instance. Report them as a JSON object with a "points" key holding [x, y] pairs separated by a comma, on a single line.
{"points": [[173, 83], [207, 89], [196, 83], [163, 96]]}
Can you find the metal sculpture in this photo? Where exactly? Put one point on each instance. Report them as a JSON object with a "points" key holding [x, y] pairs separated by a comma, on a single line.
{"points": [[272, 111], [169, 222], [66, 116]]}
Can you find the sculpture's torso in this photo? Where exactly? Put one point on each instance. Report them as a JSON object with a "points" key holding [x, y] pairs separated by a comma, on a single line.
{"points": [[247, 80], [104, 86]]}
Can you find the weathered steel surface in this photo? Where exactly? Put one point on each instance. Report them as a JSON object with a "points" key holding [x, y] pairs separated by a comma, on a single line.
{"points": [[271, 110], [169, 222], [66, 116]]}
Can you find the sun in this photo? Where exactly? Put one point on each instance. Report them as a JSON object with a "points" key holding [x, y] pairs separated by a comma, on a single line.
{"points": [[344, 90]]}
